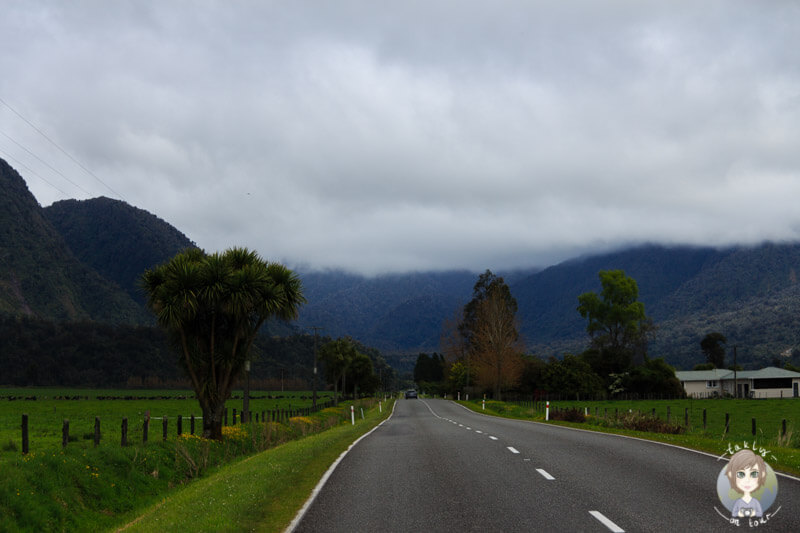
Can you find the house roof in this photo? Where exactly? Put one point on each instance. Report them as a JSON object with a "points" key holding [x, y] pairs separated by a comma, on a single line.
{"points": [[770, 372], [703, 375]]}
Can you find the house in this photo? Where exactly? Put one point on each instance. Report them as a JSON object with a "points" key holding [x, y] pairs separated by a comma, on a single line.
{"points": [[770, 382]]}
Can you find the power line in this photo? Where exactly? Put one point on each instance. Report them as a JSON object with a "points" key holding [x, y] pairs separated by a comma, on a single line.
{"points": [[23, 165], [51, 141], [45, 163]]}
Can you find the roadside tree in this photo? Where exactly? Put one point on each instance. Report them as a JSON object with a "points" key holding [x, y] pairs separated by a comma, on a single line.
{"points": [[338, 355], [617, 325], [212, 307], [496, 347]]}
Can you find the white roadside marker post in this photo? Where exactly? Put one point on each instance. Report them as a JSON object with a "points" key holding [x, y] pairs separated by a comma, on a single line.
{"points": [[547, 411], [352, 415]]}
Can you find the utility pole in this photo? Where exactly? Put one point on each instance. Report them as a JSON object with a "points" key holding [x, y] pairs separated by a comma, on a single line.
{"points": [[735, 379], [314, 394]]}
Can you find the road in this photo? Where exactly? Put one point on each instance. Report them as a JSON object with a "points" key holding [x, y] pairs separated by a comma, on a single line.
{"points": [[436, 466]]}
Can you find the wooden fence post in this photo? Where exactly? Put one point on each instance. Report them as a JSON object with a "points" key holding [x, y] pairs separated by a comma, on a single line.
{"points": [[96, 431], [704, 419], [124, 432], [180, 425], [164, 423], [25, 434], [145, 429], [727, 422], [686, 417], [65, 433], [191, 422]]}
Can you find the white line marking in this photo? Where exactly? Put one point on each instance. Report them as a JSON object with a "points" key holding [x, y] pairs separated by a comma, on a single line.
{"points": [[545, 474], [314, 493], [493, 438], [478, 431], [606, 522], [461, 425], [512, 449], [469, 428]]}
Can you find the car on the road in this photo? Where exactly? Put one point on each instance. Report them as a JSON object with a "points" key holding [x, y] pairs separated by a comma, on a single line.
{"points": [[411, 394]]}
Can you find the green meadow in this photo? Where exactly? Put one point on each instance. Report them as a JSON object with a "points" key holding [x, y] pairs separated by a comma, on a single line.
{"points": [[52, 406]]}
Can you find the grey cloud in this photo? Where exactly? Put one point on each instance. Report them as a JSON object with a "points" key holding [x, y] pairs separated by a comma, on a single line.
{"points": [[418, 135]]}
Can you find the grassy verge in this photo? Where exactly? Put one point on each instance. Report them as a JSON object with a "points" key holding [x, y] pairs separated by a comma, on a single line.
{"points": [[82, 488], [260, 493], [781, 453]]}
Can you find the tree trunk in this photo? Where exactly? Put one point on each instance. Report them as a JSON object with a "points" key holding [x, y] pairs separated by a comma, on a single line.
{"points": [[212, 420]]}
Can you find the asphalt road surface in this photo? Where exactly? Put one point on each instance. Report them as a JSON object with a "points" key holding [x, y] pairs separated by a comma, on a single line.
{"points": [[436, 466]]}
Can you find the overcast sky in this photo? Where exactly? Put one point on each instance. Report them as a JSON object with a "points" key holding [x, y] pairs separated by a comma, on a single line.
{"points": [[395, 136]]}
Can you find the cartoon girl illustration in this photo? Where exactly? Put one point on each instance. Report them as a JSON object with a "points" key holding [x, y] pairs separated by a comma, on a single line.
{"points": [[746, 473]]}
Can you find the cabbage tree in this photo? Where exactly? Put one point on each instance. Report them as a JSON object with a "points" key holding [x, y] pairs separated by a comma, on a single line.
{"points": [[212, 307]]}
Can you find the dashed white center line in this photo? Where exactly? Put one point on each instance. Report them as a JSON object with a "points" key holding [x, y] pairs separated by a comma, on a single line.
{"points": [[493, 438], [478, 431], [545, 474], [512, 449], [469, 428], [606, 522]]}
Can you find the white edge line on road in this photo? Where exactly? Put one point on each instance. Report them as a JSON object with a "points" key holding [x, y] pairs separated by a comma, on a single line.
{"points": [[492, 437], [314, 493], [606, 522], [545, 475], [512, 449], [717, 457]]}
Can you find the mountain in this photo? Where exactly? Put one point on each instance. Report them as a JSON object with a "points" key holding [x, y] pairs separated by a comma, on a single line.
{"points": [[81, 260], [750, 294], [39, 274], [116, 239], [394, 313]]}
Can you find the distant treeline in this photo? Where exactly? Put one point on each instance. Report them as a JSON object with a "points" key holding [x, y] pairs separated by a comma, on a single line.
{"points": [[36, 352]]}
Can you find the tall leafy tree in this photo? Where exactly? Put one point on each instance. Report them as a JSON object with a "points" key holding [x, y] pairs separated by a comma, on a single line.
{"points": [[617, 324], [338, 356], [212, 307], [496, 345], [713, 346]]}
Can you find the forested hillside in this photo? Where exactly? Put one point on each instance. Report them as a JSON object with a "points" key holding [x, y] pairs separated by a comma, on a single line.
{"points": [[117, 240], [39, 274]]}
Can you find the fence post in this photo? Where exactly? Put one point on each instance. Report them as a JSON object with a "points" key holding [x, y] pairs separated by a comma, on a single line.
{"points": [[164, 423], [654, 412], [180, 425], [783, 428], [234, 416], [686, 417], [25, 434], [145, 429], [727, 422], [704, 419], [191, 421], [124, 432], [96, 431], [65, 433]]}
